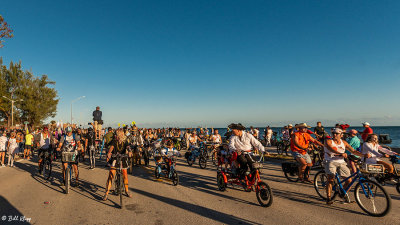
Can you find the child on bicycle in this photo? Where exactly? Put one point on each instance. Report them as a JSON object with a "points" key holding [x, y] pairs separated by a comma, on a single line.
{"points": [[168, 152]]}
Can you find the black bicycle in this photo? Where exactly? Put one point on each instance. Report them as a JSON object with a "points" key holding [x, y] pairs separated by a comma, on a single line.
{"points": [[68, 157], [45, 166], [118, 180]]}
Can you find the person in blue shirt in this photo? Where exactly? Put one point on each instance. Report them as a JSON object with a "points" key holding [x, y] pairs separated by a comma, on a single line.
{"points": [[355, 143]]}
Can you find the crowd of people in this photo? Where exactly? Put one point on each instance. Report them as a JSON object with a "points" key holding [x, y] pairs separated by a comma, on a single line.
{"points": [[234, 148]]}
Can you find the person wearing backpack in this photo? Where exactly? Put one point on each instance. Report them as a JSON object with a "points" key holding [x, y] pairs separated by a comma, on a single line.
{"points": [[69, 143]]}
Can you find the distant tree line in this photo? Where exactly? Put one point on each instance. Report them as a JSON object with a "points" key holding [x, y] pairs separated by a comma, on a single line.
{"points": [[37, 92]]}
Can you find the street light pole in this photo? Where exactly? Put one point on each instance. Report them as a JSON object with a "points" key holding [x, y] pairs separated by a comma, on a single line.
{"points": [[73, 102], [12, 108]]}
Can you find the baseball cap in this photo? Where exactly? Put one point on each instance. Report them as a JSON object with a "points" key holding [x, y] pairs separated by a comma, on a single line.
{"points": [[365, 124], [337, 130]]}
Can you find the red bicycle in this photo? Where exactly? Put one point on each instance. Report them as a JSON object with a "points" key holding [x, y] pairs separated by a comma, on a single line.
{"points": [[251, 182]]}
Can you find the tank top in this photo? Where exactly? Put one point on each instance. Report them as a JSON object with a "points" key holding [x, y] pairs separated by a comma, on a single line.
{"points": [[330, 156]]}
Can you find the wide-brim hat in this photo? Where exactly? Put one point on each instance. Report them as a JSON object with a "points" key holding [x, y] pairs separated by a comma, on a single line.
{"points": [[366, 124], [236, 126], [302, 125]]}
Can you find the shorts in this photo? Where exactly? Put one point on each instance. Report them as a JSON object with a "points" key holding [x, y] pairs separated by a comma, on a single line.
{"points": [[306, 157], [97, 126], [331, 168], [28, 147], [42, 153]]}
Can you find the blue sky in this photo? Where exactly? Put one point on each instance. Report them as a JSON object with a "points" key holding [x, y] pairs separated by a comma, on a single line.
{"points": [[189, 63]]}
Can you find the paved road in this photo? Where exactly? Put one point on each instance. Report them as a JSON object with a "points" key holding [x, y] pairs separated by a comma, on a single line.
{"points": [[195, 201]]}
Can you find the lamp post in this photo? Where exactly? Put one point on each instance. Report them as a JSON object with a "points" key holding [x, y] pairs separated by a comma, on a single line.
{"points": [[12, 108], [73, 102]]}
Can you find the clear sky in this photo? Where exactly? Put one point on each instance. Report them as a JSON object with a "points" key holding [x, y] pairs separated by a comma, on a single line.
{"points": [[189, 63]]}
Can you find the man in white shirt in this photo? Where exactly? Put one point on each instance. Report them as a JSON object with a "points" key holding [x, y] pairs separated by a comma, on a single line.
{"points": [[242, 143]]}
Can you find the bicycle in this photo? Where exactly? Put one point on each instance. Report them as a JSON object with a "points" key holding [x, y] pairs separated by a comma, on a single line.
{"points": [[251, 182], [162, 168], [118, 180], [384, 177], [46, 166], [291, 171], [365, 188], [68, 157], [200, 152]]}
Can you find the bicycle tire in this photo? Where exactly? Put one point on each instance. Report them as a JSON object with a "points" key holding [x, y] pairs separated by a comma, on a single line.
{"points": [[156, 173], [320, 182], [221, 182], [190, 161], [175, 178], [67, 180], [398, 187], [202, 162], [47, 170], [213, 160], [292, 178], [264, 194], [376, 185], [121, 184], [279, 148]]}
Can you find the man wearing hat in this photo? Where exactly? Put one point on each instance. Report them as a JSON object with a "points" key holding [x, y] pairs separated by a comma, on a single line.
{"points": [[299, 144], [367, 131], [242, 143]]}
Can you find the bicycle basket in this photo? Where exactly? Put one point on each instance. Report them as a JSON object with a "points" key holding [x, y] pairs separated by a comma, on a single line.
{"points": [[68, 156], [373, 168], [257, 165]]}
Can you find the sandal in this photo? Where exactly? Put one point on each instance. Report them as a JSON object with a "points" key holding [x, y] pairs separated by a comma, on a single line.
{"points": [[308, 181], [105, 197], [329, 201], [128, 194]]}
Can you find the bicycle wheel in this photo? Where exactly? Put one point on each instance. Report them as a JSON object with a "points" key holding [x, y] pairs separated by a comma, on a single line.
{"points": [[279, 148], [47, 170], [189, 161], [214, 160], [292, 176], [121, 186], [202, 162], [67, 180], [372, 198], [398, 187], [175, 178], [157, 172], [320, 182], [221, 182], [264, 194]]}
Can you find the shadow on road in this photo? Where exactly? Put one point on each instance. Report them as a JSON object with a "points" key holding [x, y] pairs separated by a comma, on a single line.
{"points": [[200, 210], [9, 214], [307, 199]]}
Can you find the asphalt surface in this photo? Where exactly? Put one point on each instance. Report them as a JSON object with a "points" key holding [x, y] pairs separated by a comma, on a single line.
{"points": [[196, 200]]}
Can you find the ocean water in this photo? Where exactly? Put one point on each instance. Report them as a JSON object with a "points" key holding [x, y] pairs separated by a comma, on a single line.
{"points": [[393, 131]]}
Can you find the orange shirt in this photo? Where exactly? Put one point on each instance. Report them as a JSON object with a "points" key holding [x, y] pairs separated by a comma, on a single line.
{"points": [[303, 140]]}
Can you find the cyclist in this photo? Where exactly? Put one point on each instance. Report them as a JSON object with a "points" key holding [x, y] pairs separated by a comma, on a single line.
{"points": [[136, 143], [299, 144], [372, 147], [69, 142], [319, 132], [119, 145], [194, 140], [90, 142], [82, 139], [335, 153], [242, 143], [43, 145], [168, 152]]}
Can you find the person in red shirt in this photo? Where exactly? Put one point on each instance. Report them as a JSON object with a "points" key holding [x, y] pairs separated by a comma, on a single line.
{"points": [[299, 144], [367, 131]]}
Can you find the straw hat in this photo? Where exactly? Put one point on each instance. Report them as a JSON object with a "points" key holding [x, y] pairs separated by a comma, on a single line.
{"points": [[302, 125]]}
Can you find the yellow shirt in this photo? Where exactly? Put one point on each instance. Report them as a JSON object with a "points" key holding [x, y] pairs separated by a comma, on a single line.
{"points": [[28, 139]]}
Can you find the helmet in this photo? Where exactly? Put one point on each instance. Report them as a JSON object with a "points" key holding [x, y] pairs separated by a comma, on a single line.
{"points": [[68, 129]]}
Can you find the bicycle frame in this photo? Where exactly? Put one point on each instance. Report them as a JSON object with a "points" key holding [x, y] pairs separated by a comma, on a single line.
{"points": [[357, 178]]}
